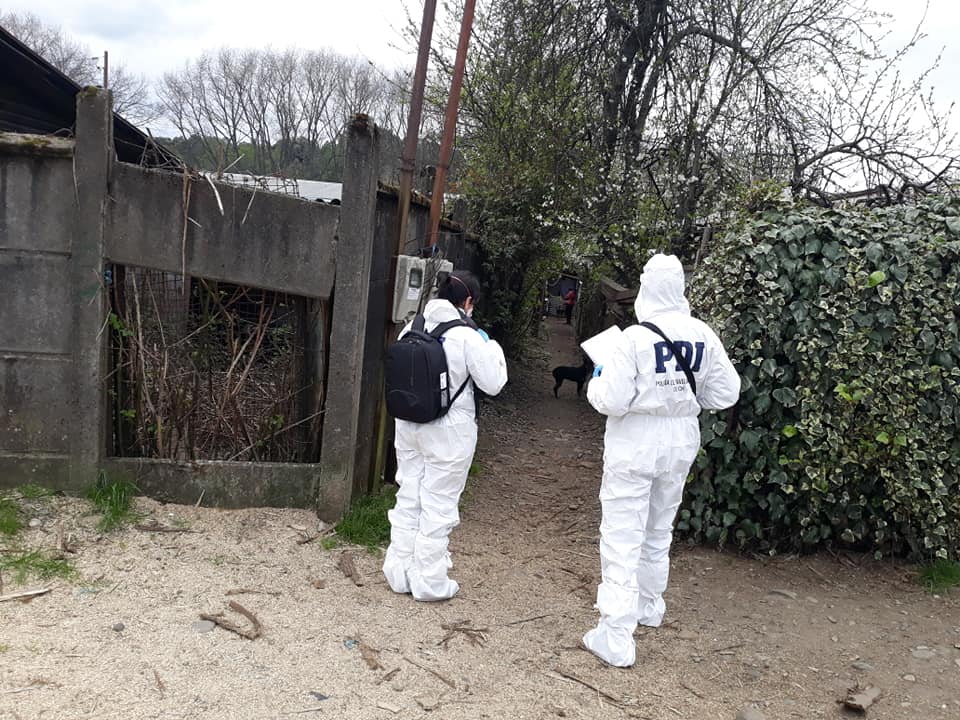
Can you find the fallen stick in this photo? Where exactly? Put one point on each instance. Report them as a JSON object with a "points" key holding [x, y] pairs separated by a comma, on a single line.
{"points": [[220, 620], [389, 676], [25, 594], [699, 695], [156, 526], [569, 676], [819, 574], [160, 686], [251, 591], [433, 672], [729, 647], [526, 620]]}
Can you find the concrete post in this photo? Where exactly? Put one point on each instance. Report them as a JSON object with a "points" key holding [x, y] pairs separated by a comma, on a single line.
{"points": [[346, 447], [93, 161]]}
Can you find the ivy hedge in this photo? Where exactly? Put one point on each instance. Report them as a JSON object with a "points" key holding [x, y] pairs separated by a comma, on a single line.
{"points": [[844, 327]]}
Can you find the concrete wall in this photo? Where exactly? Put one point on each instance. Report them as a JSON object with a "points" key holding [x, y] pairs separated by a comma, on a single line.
{"points": [[36, 362], [260, 239], [68, 208]]}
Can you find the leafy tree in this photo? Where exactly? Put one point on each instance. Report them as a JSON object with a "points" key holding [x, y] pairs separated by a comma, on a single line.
{"points": [[671, 107]]}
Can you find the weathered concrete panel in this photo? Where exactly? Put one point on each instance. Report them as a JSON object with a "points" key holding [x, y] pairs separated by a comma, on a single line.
{"points": [[221, 484], [347, 423], [34, 402], [93, 163], [262, 239], [37, 207], [36, 297], [49, 471]]}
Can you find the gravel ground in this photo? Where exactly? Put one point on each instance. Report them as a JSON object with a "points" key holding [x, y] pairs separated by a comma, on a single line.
{"points": [[786, 636]]}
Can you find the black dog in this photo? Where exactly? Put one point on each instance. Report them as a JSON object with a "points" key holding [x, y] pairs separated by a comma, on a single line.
{"points": [[578, 375]]}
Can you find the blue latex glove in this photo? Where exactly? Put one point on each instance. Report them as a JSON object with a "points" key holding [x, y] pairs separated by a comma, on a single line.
{"points": [[483, 334], [596, 370]]}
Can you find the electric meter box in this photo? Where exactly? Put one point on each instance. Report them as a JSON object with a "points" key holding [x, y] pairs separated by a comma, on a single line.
{"points": [[412, 274]]}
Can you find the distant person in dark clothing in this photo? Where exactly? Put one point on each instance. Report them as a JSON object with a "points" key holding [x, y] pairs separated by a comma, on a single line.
{"points": [[569, 300]]}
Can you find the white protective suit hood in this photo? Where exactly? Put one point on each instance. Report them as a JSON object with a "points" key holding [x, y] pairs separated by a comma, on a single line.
{"points": [[440, 311], [661, 288]]}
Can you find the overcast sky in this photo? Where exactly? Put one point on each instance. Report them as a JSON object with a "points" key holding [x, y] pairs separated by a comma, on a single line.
{"points": [[154, 36]]}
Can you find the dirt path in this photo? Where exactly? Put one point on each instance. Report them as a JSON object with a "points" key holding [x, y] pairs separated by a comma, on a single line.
{"points": [[788, 635]]}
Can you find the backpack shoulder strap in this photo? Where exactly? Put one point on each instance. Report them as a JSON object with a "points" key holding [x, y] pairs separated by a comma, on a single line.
{"points": [[440, 329], [437, 333], [681, 360], [418, 322]]}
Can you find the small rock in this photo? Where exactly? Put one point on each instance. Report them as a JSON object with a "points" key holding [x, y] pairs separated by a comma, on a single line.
{"points": [[687, 635], [834, 638], [118, 627], [923, 653], [697, 659], [203, 626], [35, 522], [387, 706], [861, 700], [812, 600], [910, 678], [789, 594], [398, 686], [832, 619], [429, 702], [957, 662], [862, 666], [750, 713]]}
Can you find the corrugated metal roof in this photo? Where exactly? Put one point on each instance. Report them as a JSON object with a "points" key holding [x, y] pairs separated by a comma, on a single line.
{"points": [[306, 189]]}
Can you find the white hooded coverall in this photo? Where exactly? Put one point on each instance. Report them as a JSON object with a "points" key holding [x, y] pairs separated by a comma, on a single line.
{"points": [[652, 438], [433, 460]]}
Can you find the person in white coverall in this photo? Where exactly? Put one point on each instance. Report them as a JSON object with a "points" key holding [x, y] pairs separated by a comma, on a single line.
{"points": [[433, 458], [652, 438]]}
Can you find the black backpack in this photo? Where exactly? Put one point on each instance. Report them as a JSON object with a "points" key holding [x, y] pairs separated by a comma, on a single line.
{"points": [[416, 380]]}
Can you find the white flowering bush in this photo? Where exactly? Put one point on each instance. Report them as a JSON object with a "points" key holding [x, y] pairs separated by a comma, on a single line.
{"points": [[844, 327]]}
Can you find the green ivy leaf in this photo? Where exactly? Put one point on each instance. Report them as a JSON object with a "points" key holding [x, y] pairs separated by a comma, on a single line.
{"points": [[785, 396], [875, 278], [790, 431]]}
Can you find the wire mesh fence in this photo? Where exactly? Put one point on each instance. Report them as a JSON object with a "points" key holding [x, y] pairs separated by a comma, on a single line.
{"points": [[203, 370]]}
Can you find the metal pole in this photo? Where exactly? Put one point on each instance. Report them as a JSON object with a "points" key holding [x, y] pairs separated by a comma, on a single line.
{"points": [[408, 160], [385, 461], [450, 121], [106, 71]]}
